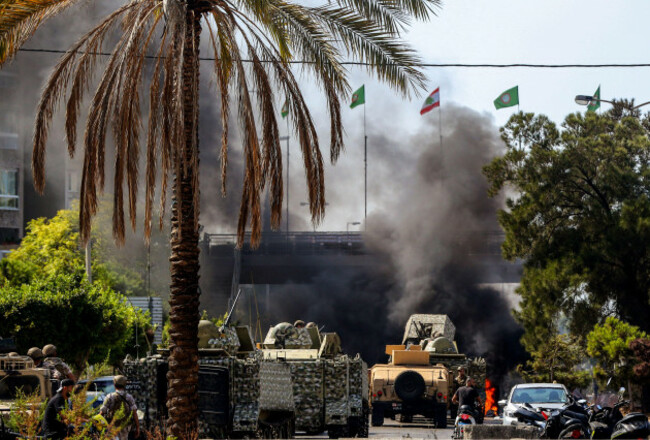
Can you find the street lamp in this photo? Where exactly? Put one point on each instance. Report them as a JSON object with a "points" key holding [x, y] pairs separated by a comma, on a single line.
{"points": [[587, 99], [347, 226], [347, 229]]}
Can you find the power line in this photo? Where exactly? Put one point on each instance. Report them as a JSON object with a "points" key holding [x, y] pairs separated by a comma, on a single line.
{"points": [[464, 65]]}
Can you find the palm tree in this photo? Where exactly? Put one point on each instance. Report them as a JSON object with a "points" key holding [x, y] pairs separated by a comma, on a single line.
{"points": [[255, 44]]}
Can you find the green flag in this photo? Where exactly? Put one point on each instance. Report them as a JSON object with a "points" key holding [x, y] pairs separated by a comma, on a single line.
{"points": [[508, 98], [595, 104], [285, 109], [358, 97]]}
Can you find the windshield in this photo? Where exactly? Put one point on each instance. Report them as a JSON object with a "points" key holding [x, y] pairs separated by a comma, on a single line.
{"points": [[101, 386], [538, 395], [10, 386]]}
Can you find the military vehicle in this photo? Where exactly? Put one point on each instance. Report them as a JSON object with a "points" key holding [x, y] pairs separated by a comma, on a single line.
{"points": [[330, 389], [19, 375], [239, 395], [418, 378]]}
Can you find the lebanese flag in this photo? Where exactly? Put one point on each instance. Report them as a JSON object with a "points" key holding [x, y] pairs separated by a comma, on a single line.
{"points": [[432, 101]]}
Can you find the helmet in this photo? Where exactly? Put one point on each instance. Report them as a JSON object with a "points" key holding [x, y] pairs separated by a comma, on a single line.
{"points": [[49, 350], [35, 353], [310, 324], [119, 381], [299, 323]]}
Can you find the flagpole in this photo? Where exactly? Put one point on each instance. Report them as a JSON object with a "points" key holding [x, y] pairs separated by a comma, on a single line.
{"points": [[365, 165]]}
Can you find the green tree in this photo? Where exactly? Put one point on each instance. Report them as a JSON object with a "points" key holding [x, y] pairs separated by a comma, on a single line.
{"points": [[609, 344], [51, 246], [269, 35], [578, 214], [86, 322], [557, 359]]}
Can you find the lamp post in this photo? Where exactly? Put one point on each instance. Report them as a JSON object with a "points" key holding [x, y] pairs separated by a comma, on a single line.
{"points": [[347, 228], [286, 138], [587, 99]]}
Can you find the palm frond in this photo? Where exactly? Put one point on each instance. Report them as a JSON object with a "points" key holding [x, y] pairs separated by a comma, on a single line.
{"points": [[19, 19]]}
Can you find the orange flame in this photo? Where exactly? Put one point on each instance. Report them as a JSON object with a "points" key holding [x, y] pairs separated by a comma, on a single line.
{"points": [[490, 402]]}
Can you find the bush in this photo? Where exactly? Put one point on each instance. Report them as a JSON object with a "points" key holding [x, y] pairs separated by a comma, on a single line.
{"points": [[86, 322]]}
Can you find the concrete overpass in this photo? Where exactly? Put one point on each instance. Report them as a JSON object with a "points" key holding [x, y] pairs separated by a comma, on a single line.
{"points": [[298, 257]]}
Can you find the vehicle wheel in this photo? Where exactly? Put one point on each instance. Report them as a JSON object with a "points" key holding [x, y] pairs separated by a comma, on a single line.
{"points": [[405, 418], [409, 385], [377, 417], [573, 431]]}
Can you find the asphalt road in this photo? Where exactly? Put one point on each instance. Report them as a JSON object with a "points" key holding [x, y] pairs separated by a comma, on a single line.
{"points": [[419, 429]]}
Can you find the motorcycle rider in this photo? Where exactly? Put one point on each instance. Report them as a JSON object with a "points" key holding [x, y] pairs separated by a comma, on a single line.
{"points": [[467, 395]]}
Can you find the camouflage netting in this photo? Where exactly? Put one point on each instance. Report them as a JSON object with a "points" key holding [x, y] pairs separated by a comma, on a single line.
{"points": [[420, 326], [142, 383], [307, 392], [227, 341]]}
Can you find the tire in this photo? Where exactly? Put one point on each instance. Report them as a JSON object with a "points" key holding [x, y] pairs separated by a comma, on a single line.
{"points": [[573, 431], [409, 385], [377, 417]]}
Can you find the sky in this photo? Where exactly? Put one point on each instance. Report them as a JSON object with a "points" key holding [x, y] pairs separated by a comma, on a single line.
{"points": [[501, 32], [463, 31]]}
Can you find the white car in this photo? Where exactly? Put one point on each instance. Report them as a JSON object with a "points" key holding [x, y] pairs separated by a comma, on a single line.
{"points": [[538, 395]]}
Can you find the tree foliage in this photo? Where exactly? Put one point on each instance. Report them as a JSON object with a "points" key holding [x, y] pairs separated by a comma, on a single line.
{"points": [[52, 246], [641, 349], [557, 359], [86, 322], [609, 344], [578, 214]]}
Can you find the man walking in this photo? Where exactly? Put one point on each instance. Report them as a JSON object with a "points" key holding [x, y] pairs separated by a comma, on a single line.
{"points": [[120, 409], [53, 427]]}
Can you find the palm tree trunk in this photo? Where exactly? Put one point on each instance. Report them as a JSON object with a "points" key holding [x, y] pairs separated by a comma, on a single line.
{"points": [[182, 378]]}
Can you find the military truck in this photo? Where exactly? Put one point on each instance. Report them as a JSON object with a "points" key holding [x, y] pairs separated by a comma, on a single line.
{"points": [[19, 375], [418, 378], [330, 389], [239, 395]]}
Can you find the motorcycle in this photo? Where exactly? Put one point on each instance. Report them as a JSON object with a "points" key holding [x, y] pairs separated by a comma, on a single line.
{"points": [[570, 421], [467, 415], [603, 419], [633, 425]]}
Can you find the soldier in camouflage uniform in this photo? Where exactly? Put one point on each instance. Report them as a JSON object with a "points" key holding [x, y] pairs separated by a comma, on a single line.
{"points": [[37, 356], [121, 404], [58, 368]]}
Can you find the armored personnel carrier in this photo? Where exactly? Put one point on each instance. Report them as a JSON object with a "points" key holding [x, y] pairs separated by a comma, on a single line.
{"points": [[330, 389], [239, 395], [418, 378]]}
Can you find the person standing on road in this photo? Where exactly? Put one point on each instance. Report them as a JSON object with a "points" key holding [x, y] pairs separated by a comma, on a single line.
{"points": [[467, 395], [53, 427], [58, 368], [120, 409]]}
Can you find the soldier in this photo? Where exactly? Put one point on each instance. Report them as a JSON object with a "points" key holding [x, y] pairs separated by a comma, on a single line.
{"points": [[58, 368], [461, 378], [37, 356], [121, 404], [299, 324]]}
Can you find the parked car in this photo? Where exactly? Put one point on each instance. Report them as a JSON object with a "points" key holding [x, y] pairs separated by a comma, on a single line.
{"points": [[537, 395], [98, 389]]}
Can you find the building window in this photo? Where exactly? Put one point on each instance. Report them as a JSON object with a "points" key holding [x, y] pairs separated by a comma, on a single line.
{"points": [[8, 189], [8, 141]]}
